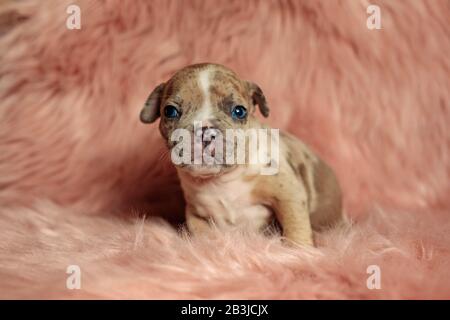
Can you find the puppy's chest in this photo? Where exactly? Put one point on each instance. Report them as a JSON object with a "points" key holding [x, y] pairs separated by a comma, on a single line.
{"points": [[228, 203]]}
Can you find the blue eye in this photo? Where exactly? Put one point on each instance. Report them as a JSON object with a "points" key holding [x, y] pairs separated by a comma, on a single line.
{"points": [[239, 112], [171, 112]]}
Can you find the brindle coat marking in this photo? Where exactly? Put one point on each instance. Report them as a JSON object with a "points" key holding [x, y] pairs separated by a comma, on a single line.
{"points": [[303, 195]]}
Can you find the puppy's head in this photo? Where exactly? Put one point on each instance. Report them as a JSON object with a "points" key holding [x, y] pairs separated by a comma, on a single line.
{"points": [[204, 100]]}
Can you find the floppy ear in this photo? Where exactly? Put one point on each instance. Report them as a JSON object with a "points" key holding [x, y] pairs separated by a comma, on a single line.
{"points": [[150, 112], [258, 98]]}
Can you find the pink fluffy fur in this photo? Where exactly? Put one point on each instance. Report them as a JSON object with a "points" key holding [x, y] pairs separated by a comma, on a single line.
{"points": [[78, 170]]}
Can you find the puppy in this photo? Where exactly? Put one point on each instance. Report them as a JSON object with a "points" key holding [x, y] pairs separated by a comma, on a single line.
{"points": [[204, 100]]}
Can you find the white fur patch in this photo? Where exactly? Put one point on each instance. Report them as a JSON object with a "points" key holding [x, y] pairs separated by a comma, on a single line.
{"points": [[228, 200], [205, 112]]}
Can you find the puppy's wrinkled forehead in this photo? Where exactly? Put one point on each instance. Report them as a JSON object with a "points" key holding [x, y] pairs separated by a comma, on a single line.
{"points": [[201, 90]]}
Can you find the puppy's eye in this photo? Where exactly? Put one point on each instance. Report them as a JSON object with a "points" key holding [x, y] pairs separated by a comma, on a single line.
{"points": [[171, 112], [239, 112]]}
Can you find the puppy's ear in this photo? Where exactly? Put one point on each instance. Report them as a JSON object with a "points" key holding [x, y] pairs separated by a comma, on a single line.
{"points": [[258, 98], [150, 112]]}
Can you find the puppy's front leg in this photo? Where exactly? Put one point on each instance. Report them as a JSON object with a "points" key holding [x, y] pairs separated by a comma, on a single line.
{"points": [[195, 223], [293, 216], [290, 205]]}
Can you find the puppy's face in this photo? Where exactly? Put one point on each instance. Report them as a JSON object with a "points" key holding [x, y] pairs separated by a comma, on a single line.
{"points": [[205, 100]]}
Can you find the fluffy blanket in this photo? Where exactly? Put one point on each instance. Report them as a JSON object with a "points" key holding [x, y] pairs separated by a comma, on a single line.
{"points": [[82, 181]]}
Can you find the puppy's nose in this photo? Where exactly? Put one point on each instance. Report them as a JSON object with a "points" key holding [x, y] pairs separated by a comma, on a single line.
{"points": [[208, 134]]}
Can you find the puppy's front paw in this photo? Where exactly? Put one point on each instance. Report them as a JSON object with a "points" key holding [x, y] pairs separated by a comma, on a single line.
{"points": [[298, 239], [197, 225]]}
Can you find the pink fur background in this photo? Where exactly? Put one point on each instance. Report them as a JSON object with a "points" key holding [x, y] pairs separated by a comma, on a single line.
{"points": [[79, 172]]}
